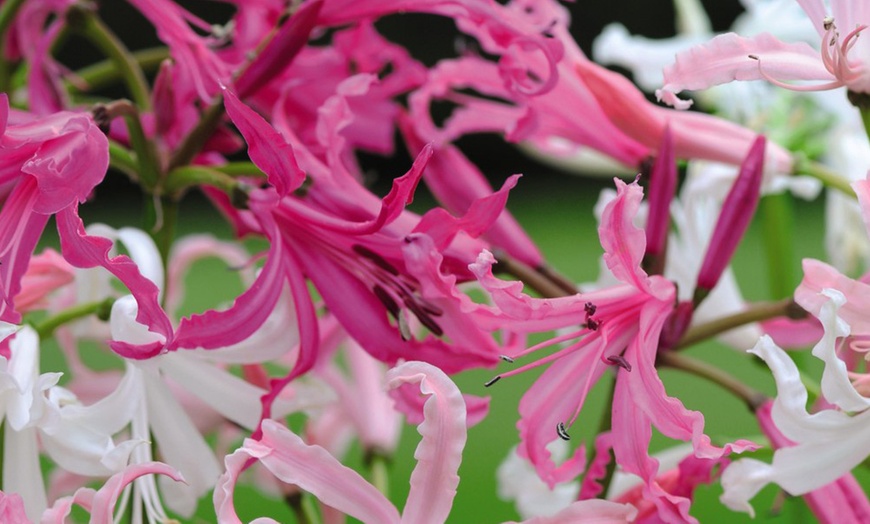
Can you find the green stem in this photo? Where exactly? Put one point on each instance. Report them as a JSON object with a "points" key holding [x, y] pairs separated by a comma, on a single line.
{"points": [[183, 177], [777, 216], [146, 155], [865, 118], [752, 397], [194, 141], [46, 328], [379, 474], [87, 23], [824, 174], [532, 278], [754, 313], [163, 231], [240, 169], [122, 160], [105, 73]]}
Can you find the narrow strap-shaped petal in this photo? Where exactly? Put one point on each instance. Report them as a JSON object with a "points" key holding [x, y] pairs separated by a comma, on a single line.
{"points": [[730, 57], [623, 242], [103, 503], [434, 480], [281, 49], [590, 512], [311, 468], [266, 147]]}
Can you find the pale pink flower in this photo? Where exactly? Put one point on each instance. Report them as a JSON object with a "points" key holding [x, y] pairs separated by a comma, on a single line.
{"points": [[99, 503], [433, 482], [842, 61], [620, 327]]}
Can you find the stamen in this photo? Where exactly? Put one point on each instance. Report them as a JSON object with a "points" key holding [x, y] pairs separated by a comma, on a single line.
{"points": [[387, 300], [506, 358], [619, 360], [593, 324], [422, 315], [828, 23], [492, 381], [377, 259], [562, 432], [590, 309]]}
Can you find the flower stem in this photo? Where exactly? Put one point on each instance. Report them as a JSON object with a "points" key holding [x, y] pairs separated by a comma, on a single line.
{"points": [[105, 73], [777, 218], [754, 313], [378, 466], [86, 22], [824, 174], [186, 176], [537, 280], [194, 141], [752, 397], [102, 309]]}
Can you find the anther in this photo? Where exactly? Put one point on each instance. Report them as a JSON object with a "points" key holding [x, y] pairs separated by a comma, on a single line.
{"points": [[506, 358], [828, 23], [753, 57], [593, 324], [562, 432], [619, 360], [386, 300], [377, 259], [492, 381]]}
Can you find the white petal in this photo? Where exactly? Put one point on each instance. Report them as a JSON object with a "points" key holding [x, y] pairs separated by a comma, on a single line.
{"points": [[124, 326], [836, 386], [229, 395], [182, 447], [22, 473]]}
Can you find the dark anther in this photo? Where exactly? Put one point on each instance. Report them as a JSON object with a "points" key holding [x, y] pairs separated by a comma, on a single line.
{"points": [[562, 432], [593, 324], [386, 300], [102, 118], [377, 259], [619, 360], [506, 358], [590, 308], [492, 381], [422, 315]]}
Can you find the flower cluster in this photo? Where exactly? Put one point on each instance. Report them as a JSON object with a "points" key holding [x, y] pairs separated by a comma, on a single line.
{"points": [[355, 310]]}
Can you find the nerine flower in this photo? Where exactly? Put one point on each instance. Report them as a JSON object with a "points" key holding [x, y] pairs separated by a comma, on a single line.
{"points": [[49, 165], [619, 328], [808, 461], [433, 481], [842, 60]]}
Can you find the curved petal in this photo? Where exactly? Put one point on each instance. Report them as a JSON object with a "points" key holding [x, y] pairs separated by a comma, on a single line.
{"points": [[311, 468], [729, 57], [590, 512], [434, 480]]}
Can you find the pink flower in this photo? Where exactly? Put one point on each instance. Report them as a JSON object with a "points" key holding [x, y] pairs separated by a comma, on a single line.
{"points": [[620, 327], [52, 164], [843, 60], [433, 481]]}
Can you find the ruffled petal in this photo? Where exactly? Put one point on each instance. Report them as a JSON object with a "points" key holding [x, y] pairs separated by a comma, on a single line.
{"points": [[434, 479]]}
